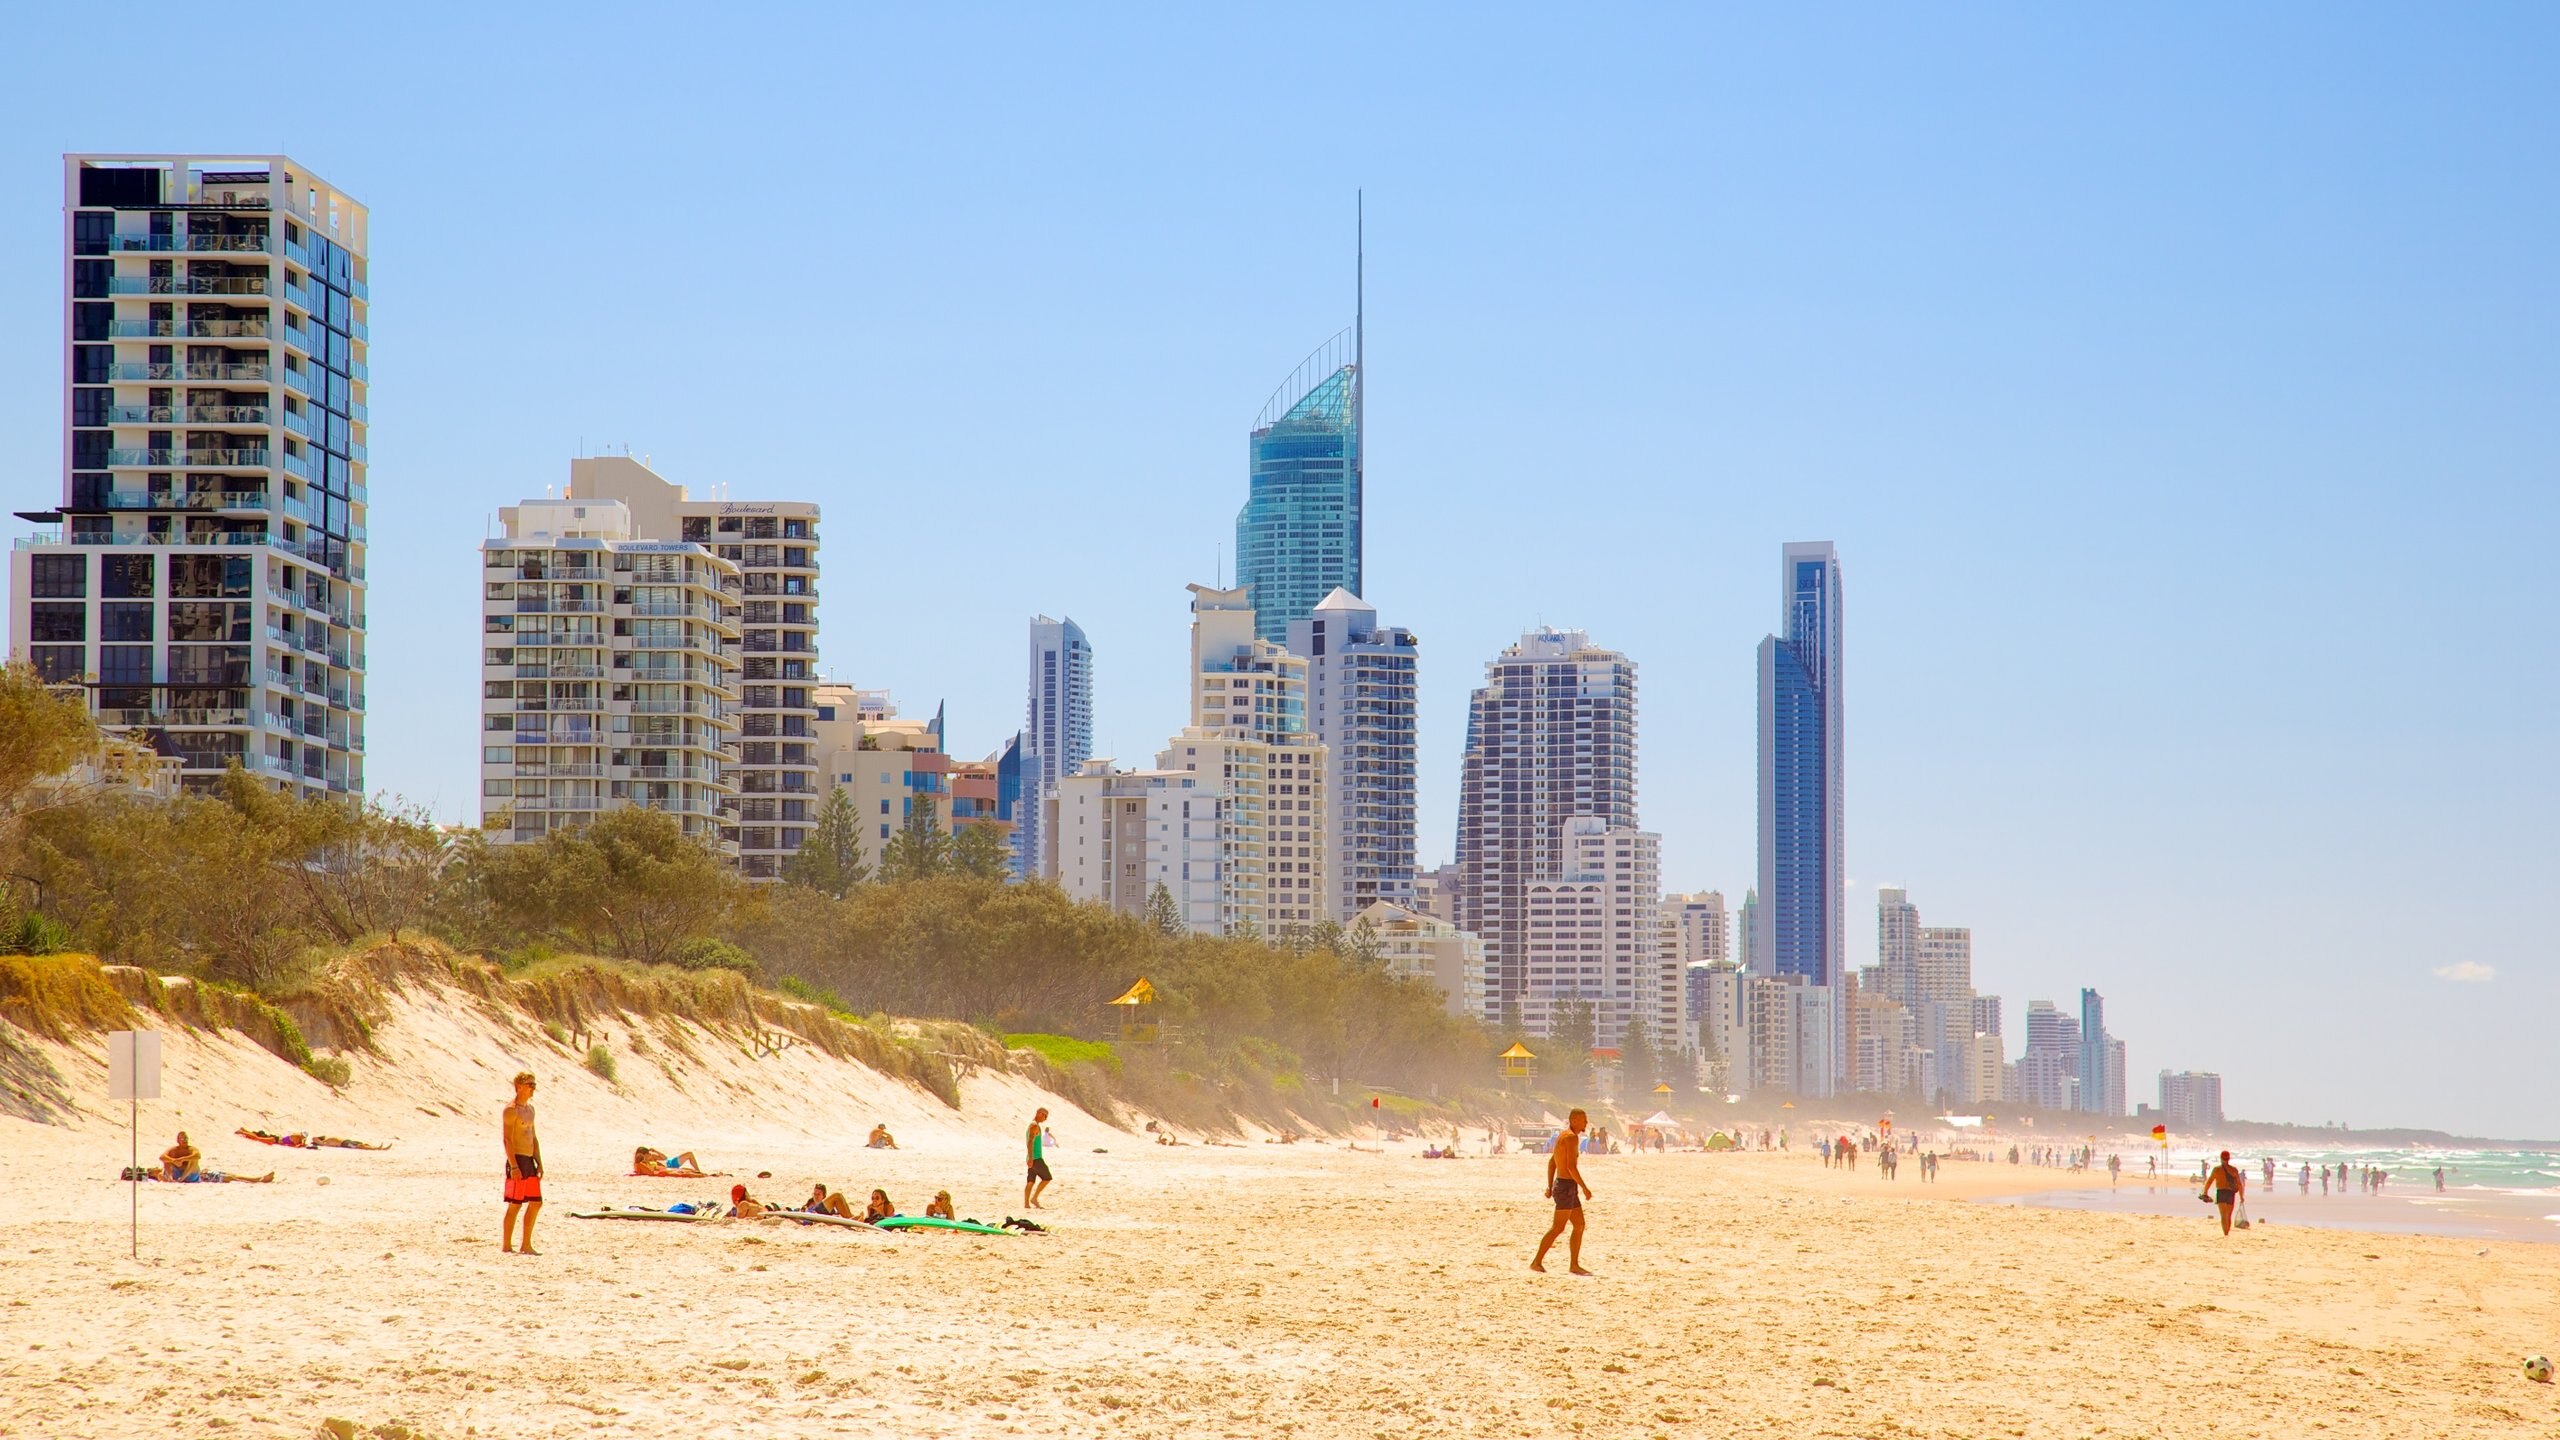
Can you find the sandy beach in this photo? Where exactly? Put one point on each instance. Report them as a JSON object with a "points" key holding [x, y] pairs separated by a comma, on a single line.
{"points": [[1300, 1290]]}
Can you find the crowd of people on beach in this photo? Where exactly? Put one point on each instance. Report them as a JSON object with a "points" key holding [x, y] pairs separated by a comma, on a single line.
{"points": [[522, 1177]]}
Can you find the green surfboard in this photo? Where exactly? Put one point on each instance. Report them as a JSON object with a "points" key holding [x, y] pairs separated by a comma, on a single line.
{"points": [[919, 1222]]}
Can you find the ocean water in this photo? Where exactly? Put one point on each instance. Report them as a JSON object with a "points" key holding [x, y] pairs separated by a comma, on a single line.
{"points": [[2509, 1194]]}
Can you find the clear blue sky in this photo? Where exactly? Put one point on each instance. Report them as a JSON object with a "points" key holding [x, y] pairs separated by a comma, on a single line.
{"points": [[2179, 387]]}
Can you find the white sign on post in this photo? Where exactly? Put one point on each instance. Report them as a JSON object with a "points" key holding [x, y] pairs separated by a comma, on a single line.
{"points": [[133, 1076], [133, 1065]]}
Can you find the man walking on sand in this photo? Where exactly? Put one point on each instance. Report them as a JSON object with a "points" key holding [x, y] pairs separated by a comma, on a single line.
{"points": [[524, 1167], [1036, 1177], [1565, 1185], [2228, 1185]]}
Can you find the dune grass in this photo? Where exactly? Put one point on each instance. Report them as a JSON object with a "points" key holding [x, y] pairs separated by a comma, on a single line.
{"points": [[1065, 1051]]}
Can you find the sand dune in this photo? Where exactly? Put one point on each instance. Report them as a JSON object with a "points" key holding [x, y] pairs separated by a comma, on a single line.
{"points": [[1258, 1290]]}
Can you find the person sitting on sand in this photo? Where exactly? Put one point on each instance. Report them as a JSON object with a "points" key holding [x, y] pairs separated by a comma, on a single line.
{"points": [[879, 1209], [816, 1204], [880, 1139], [939, 1208], [180, 1162], [743, 1205], [645, 1161]]}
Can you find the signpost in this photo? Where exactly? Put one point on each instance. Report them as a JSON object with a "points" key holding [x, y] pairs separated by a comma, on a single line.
{"points": [[133, 1076]]}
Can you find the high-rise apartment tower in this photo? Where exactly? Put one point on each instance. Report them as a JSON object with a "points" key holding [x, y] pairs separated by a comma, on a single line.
{"points": [[1360, 692], [1057, 728], [203, 578], [1551, 736], [774, 544], [1802, 833], [609, 674]]}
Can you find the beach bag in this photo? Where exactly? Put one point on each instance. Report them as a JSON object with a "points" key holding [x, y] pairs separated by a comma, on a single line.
{"points": [[2240, 1216]]}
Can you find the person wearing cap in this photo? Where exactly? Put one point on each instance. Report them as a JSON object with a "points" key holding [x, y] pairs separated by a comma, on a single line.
{"points": [[524, 1167]]}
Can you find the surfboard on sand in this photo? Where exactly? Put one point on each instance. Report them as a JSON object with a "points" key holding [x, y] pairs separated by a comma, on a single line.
{"points": [[634, 1212], [806, 1217], [920, 1222]]}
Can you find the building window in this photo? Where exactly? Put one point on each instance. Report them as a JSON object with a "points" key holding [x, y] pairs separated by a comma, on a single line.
{"points": [[130, 576]]}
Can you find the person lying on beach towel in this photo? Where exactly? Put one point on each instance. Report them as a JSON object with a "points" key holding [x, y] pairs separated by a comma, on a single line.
{"points": [[939, 1208], [880, 1139], [744, 1206], [879, 1209], [300, 1140], [645, 1161]]}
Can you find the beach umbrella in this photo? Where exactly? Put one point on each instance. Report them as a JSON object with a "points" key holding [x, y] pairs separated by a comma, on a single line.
{"points": [[1660, 1118]]}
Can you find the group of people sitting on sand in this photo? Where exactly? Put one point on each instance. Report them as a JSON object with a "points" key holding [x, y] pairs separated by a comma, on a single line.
{"points": [[183, 1164], [822, 1201]]}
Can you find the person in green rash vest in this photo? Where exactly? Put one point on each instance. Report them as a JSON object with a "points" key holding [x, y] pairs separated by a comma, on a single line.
{"points": [[1036, 1177]]}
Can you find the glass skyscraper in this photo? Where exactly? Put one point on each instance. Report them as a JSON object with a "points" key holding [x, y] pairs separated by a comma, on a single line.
{"points": [[1298, 536], [1799, 924]]}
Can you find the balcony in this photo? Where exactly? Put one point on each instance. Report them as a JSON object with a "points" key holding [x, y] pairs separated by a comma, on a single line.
{"points": [[226, 329], [257, 370], [197, 459], [300, 465], [186, 285], [141, 329], [201, 244]]}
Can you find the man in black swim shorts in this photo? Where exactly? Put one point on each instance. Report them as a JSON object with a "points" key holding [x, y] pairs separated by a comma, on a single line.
{"points": [[1565, 1186]]}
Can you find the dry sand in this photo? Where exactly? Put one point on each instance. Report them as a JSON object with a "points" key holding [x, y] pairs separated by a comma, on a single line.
{"points": [[1262, 1290]]}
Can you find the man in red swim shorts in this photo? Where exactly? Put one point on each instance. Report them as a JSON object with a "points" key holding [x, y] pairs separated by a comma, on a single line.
{"points": [[524, 1167]]}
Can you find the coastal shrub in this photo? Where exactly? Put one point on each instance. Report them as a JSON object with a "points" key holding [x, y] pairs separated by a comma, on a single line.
{"points": [[558, 1032], [799, 989], [600, 1063], [1064, 1051], [329, 1070], [704, 952], [33, 934], [60, 996]]}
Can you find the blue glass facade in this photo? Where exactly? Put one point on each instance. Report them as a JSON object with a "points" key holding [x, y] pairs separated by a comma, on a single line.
{"points": [[1799, 920], [1298, 537]]}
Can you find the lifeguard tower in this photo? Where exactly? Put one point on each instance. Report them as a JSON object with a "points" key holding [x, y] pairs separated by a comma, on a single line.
{"points": [[1517, 1064], [1137, 1014]]}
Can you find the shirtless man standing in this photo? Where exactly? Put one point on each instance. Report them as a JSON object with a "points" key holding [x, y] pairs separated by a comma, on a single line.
{"points": [[1565, 1185], [1035, 1175], [2227, 1185], [524, 1167]]}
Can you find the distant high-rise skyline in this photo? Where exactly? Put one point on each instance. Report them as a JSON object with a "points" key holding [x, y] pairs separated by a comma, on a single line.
{"points": [[1298, 537], [1057, 727], [1550, 736], [1803, 837]]}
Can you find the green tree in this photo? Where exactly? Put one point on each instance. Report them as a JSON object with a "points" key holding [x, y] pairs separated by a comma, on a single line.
{"points": [[1639, 1068], [1573, 1032], [920, 850], [631, 884], [979, 852], [829, 859], [1363, 944], [1162, 914], [44, 731]]}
